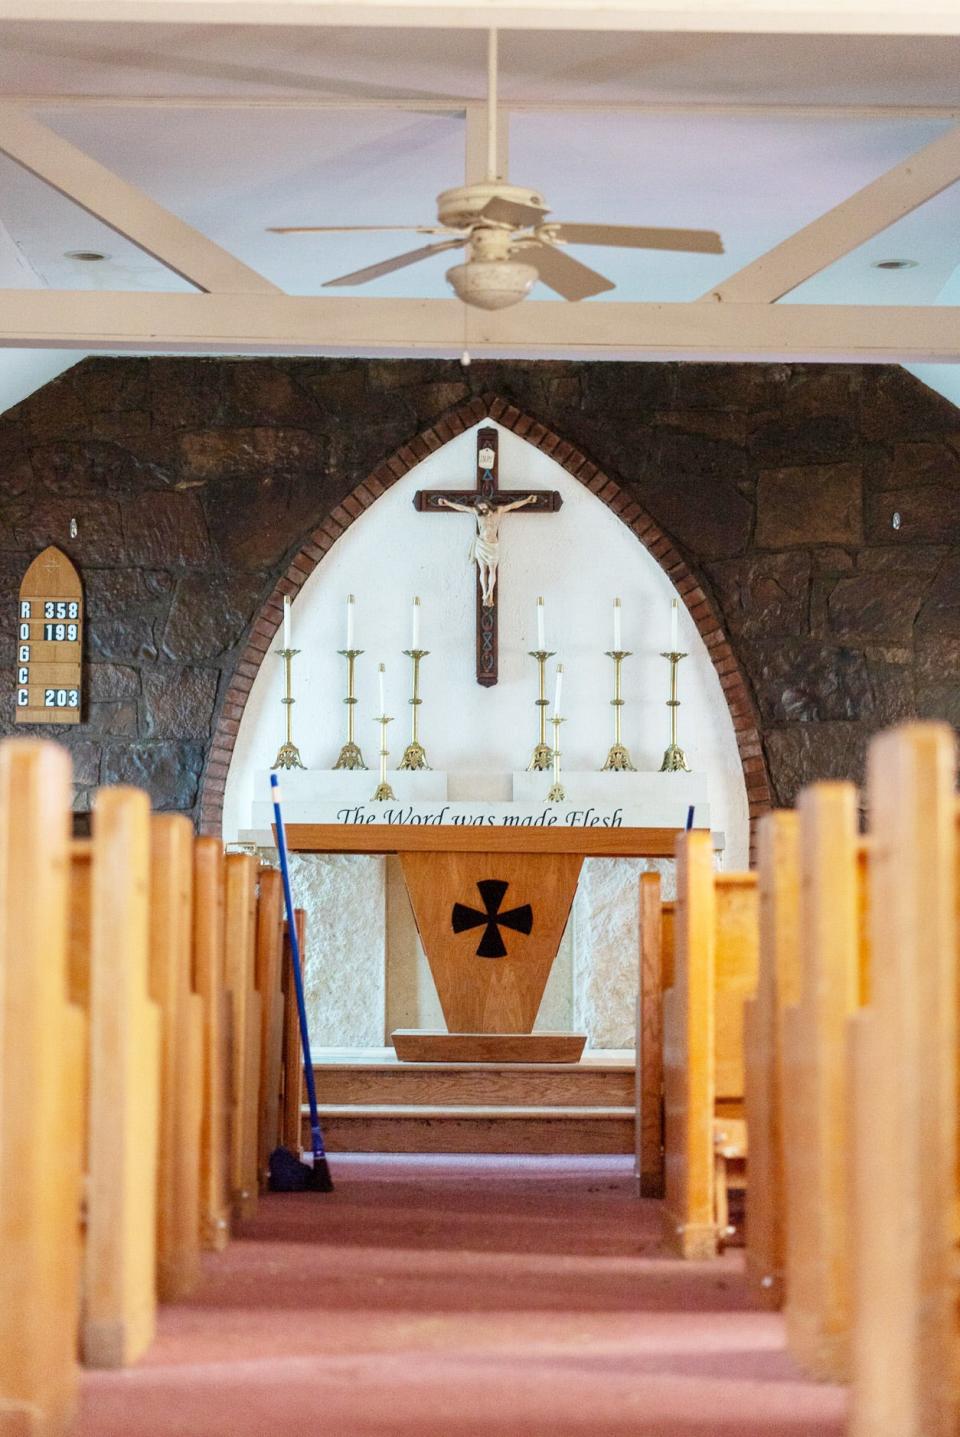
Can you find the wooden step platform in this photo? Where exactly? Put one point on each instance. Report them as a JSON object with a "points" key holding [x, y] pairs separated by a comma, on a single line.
{"points": [[370, 1102]]}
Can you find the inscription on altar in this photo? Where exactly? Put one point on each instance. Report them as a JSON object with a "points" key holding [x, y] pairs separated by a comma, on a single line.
{"points": [[49, 641], [466, 815]]}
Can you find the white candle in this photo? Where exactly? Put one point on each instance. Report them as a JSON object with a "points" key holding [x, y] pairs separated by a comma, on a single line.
{"points": [[674, 627], [383, 703], [286, 622], [617, 633], [415, 625], [349, 621], [541, 642], [557, 691]]}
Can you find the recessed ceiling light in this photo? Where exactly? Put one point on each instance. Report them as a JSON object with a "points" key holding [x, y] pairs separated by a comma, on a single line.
{"points": [[89, 256], [895, 263]]}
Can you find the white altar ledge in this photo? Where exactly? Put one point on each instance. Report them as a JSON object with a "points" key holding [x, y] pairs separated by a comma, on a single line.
{"points": [[593, 800]]}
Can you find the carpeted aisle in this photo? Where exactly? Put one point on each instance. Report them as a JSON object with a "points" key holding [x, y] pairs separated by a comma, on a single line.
{"points": [[463, 1297]]}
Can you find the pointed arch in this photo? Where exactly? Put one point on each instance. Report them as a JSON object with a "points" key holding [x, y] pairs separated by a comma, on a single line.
{"points": [[698, 602]]}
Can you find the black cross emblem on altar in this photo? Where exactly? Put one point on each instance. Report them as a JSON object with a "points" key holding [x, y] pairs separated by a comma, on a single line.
{"points": [[492, 892], [547, 501]]}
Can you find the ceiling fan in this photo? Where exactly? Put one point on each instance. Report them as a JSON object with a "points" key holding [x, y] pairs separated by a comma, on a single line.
{"points": [[510, 242]]}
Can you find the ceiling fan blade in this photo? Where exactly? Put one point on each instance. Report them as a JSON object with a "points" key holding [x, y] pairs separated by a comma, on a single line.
{"points": [[561, 272], [387, 266], [508, 212], [353, 229], [632, 237]]}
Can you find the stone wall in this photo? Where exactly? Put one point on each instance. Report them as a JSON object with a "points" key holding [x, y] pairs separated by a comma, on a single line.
{"points": [[194, 481]]}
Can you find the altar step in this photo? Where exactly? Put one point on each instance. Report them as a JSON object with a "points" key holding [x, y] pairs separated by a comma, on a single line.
{"points": [[371, 1103]]}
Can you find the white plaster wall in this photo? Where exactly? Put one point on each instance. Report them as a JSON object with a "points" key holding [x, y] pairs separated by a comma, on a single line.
{"points": [[344, 899], [579, 560]]}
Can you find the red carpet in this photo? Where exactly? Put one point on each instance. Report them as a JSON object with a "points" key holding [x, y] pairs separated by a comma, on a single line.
{"points": [[463, 1297]]}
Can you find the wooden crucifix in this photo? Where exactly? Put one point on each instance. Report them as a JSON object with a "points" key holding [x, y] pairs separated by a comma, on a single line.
{"points": [[487, 503]]}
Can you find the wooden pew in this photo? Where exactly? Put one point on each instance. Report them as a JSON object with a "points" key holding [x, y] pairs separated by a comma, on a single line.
{"points": [[778, 987], [715, 968], [903, 1071], [240, 929], [291, 1119], [123, 1114], [209, 982], [813, 1098], [181, 1050], [42, 1080], [656, 974], [269, 980], [78, 957]]}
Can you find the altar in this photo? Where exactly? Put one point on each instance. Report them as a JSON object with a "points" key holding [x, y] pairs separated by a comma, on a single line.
{"points": [[490, 883]]}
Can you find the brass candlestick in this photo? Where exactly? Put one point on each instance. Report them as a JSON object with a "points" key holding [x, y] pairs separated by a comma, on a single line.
{"points": [[288, 755], [384, 791], [674, 758], [414, 755], [556, 794], [618, 759], [542, 753], [350, 755]]}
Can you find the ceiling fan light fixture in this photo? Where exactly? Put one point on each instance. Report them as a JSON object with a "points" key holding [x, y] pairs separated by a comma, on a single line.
{"points": [[492, 284]]}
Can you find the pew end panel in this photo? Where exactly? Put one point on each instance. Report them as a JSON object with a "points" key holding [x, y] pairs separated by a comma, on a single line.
{"points": [[269, 979], [689, 1209], [903, 1095], [119, 1313], [648, 1159], [209, 981], [291, 1120], [41, 1070], [181, 1071], [245, 1028], [778, 986], [818, 1282]]}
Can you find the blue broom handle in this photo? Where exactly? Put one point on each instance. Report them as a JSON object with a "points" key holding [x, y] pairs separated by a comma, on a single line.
{"points": [[317, 1136]]}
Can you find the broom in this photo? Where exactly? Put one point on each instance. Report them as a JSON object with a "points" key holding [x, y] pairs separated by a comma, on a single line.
{"points": [[288, 1171]]}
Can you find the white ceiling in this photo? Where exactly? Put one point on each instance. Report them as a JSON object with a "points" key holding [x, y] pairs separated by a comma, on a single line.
{"points": [[362, 64], [235, 129]]}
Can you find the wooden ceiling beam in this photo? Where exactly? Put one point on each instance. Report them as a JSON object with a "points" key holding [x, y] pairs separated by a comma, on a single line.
{"points": [[127, 210], [847, 226], [459, 105], [783, 17], [546, 329]]}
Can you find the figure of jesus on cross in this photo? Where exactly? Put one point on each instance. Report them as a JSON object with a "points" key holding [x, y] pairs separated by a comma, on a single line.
{"points": [[486, 546], [487, 504]]}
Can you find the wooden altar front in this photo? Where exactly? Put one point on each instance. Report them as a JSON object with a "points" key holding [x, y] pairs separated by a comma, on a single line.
{"points": [[490, 904]]}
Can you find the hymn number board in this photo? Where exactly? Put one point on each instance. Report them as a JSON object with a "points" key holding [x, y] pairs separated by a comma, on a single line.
{"points": [[49, 641]]}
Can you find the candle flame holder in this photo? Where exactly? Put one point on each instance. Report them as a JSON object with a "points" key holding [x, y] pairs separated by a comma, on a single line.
{"points": [[350, 755], [557, 793], [414, 755], [288, 755], [384, 791], [618, 760], [674, 758], [542, 759]]}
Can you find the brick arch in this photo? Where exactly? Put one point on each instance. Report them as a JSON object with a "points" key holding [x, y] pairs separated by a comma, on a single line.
{"points": [[699, 604]]}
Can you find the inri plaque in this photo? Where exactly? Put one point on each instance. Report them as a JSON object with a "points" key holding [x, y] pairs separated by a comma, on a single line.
{"points": [[49, 641]]}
